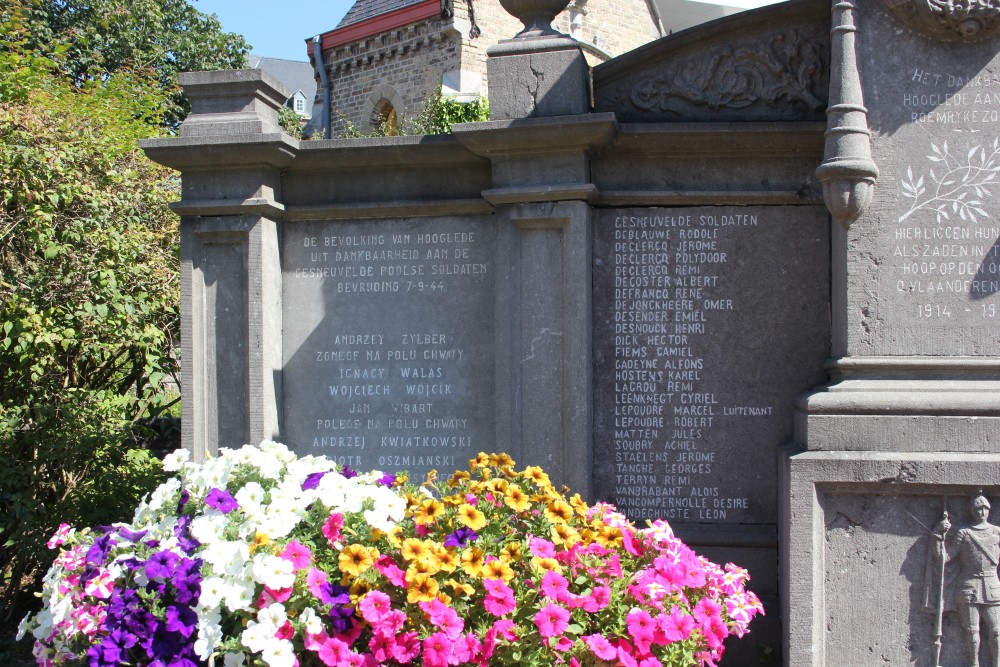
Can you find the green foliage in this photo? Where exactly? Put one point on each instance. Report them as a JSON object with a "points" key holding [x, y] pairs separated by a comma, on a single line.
{"points": [[96, 38], [437, 116], [88, 294], [441, 113], [290, 122]]}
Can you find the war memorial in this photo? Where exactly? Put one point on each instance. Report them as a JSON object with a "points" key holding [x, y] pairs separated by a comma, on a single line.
{"points": [[745, 278]]}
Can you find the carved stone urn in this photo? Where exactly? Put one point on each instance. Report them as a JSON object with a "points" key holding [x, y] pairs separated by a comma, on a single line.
{"points": [[536, 15]]}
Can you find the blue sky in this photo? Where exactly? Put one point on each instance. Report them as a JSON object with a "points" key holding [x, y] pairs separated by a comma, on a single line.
{"points": [[277, 29]]}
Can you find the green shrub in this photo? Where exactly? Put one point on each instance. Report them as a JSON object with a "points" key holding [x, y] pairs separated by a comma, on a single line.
{"points": [[88, 301]]}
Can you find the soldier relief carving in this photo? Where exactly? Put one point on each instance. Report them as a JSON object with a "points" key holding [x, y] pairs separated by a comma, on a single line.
{"points": [[788, 70], [962, 578], [949, 20]]}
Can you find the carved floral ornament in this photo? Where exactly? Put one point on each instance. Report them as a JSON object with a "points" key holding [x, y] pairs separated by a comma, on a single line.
{"points": [[786, 71], [949, 20]]}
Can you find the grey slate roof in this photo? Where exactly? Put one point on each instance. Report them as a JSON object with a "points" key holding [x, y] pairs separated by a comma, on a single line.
{"points": [[366, 9], [294, 74]]}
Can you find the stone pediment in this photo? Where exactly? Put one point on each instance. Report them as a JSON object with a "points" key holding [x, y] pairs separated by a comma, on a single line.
{"points": [[766, 64]]}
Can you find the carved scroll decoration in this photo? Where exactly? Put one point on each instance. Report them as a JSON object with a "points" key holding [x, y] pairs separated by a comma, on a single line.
{"points": [[787, 70], [949, 20]]}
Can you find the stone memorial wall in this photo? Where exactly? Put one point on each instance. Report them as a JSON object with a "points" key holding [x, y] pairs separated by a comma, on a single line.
{"points": [[388, 341], [649, 299], [708, 322]]}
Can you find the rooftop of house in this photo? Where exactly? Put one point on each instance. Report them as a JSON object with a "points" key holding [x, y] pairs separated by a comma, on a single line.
{"points": [[295, 75], [362, 10]]}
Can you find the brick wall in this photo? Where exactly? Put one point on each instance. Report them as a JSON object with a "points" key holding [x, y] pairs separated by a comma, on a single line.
{"points": [[404, 67]]}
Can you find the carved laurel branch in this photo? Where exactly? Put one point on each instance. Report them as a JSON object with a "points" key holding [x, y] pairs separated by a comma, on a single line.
{"points": [[949, 20], [785, 71]]}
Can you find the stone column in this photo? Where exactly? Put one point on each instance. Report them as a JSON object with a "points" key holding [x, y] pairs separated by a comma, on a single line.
{"points": [[539, 143], [231, 151]]}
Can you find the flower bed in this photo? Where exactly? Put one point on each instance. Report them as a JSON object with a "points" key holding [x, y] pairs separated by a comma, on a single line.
{"points": [[258, 557]]}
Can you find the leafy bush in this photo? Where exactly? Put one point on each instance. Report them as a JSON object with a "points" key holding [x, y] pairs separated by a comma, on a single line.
{"points": [[437, 116], [88, 294]]}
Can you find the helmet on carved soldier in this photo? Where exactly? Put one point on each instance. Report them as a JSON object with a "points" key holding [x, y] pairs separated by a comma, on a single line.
{"points": [[978, 502]]}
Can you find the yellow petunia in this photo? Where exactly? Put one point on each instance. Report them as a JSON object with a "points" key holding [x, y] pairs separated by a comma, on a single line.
{"points": [[414, 549], [546, 564], [497, 569], [516, 499], [428, 512], [537, 475], [563, 534], [422, 588], [472, 561], [447, 561], [559, 511], [461, 590], [259, 540], [456, 479], [356, 559], [472, 518], [511, 552]]}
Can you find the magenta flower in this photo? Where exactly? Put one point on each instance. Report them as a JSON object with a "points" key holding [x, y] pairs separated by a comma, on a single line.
{"points": [[331, 529], [297, 554], [552, 620], [600, 646], [676, 626], [554, 585], [437, 650], [375, 607]]}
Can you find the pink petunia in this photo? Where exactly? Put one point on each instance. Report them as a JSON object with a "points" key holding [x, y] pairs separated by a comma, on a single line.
{"points": [[444, 617], [676, 626], [554, 585], [315, 580], [331, 529], [407, 647], [600, 646], [706, 608], [286, 631], [388, 569], [562, 644], [381, 646], [297, 554], [541, 548], [375, 607], [437, 650], [63, 533], [500, 605], [598, 599], [334, 652], [552, 620], [101, 585]]}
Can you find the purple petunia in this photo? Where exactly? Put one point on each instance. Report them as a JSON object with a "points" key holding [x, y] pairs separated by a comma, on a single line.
{"points": [[387, 479], [312, 481], [221, 500], [460, 537], [183, 500], [161, 565]]}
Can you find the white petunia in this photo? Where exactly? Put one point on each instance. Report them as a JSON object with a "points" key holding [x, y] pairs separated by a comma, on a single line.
{"points": [[172, 462], [311, 621], [240, 594], [209, 634], [208, 527], [233, 660], [279, 653], [274, 572], [213, 591]]}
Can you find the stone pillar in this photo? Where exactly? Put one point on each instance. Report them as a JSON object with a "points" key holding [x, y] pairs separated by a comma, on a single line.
{"points": [[540, 72], [231, 151], [907, 428]]}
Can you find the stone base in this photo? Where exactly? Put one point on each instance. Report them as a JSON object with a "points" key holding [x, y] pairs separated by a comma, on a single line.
{"points": [[533, 78]]}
